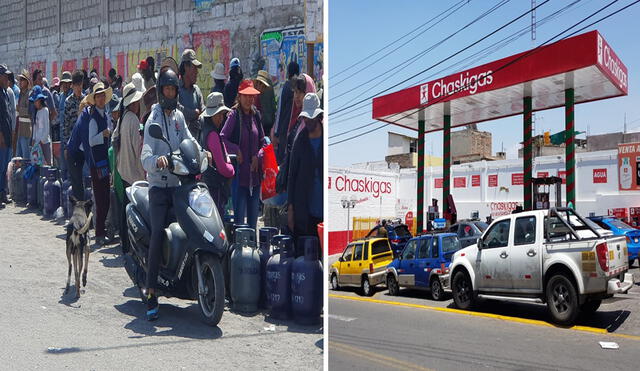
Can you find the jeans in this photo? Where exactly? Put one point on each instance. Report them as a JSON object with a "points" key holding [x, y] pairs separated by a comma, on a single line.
{"points": [[5, 157], [247, 204], [160, 201], [23, 147]]}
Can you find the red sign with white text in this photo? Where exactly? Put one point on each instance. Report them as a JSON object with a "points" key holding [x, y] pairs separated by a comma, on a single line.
{"points": [[438, 182], [493, 180], [460, 182], [408, 219], [517, 179], [475, 180], [543, 174], [563, 175], [600, 175]]}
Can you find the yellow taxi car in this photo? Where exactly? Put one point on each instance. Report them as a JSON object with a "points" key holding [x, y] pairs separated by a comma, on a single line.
{"points": [[362, 264]]}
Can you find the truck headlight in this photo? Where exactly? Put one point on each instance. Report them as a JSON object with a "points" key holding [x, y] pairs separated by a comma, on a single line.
{"points": [[201, 202]]}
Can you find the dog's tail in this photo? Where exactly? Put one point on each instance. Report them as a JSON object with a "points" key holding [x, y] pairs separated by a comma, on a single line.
{"points": [[86, 225]]}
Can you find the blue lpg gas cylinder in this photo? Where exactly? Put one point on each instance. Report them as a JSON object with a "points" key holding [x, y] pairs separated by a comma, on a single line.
{"points": [[306, 283], [244, 269], [51, 193], [264, 250], [279, 280]]}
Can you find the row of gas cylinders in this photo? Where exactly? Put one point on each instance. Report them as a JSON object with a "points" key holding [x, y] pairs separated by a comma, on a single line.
{"points": [[268, 275], [39, 187]]}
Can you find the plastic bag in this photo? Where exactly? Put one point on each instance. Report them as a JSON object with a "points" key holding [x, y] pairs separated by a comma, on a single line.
{"points": [[270, 166], [37, 157]]}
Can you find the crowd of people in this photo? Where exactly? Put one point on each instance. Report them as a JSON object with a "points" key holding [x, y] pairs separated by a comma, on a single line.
{"points": [[101, 126]]}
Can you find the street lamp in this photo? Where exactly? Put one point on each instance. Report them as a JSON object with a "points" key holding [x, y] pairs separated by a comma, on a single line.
{"points": [[348, 203]]}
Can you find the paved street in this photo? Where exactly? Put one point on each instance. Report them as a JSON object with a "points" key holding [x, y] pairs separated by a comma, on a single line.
{"points": [[411, 331], [106, 329]]}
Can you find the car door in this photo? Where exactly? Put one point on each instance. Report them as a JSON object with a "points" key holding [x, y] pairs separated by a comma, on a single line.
{"points": [[525, 256], [406, 273], [423, 261], [356, 262], [344, 272], [492, 261]]}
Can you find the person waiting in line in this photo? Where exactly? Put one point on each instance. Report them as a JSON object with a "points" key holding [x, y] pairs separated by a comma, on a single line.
{"points": [[23, 131], [219, 78], [41, 131], [162, 182], [242, 134], [219, 174], [266, 102], [306, 172], [127, 144], [98, 160], [231, 88], [283, 113], [189, 94]]}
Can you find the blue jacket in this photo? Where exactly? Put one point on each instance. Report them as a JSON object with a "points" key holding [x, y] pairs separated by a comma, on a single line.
{"points": [[80, 134]]}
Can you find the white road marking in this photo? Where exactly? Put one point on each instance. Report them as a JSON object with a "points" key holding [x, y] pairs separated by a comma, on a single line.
{"points": [[342, 318]]}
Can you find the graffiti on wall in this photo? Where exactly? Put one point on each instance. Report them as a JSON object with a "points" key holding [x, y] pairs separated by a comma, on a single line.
{"points": [[211, 48], [279, 48]]}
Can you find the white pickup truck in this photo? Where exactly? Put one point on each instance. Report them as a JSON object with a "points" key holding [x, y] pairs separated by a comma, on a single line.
{"points": [[546, 256]]}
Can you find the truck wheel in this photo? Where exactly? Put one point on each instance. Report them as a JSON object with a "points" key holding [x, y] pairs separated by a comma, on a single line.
{"points": [[562, 300], [367, 290], [590, 307], [437, 293], [334, 282], [462, 291], [392, 285]]}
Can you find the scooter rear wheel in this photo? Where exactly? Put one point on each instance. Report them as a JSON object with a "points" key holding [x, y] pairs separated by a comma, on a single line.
{"points": [[211, 303]]}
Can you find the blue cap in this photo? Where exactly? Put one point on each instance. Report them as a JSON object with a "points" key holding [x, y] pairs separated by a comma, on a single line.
{"points": [[235, 62], [34, 98], [35, 92]]}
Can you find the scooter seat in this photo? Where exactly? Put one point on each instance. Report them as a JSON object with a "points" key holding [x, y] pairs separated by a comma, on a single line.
{"points": [[140, 194]]}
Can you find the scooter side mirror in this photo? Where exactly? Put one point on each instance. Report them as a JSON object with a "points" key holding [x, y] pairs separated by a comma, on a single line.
{"points": [[156, 131]]}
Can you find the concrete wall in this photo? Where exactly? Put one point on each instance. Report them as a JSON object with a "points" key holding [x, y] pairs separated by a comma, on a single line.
{"points": [[67, 34], [470, 142]]}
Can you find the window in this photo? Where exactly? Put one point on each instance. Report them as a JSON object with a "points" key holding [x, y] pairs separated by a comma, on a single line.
{"points": [[466, 230], [450, 244], [482, 226], [423, 249], [346, 256], [619, 224], [366, 251], [454, 229], [525, 231], [498, 235], [434, 248], [380, 247], [409, 251], [402, 231], [357, 254]]}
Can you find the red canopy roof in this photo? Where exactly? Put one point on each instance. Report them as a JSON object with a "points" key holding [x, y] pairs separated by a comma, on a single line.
{"points": [[584, 62]]}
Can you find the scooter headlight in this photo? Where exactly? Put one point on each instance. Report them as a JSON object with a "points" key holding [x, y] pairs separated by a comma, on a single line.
{"points": [[201, 202]]}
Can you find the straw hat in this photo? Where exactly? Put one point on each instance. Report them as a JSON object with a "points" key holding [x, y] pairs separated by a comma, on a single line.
{"points": [[97, 89], [263, 77]]}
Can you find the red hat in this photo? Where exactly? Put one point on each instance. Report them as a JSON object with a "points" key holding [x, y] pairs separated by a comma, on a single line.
{"points": [[143, 65], [246, 88]]}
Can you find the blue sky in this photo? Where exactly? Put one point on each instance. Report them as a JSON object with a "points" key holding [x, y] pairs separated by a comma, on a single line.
{"points": [[358, 28]]}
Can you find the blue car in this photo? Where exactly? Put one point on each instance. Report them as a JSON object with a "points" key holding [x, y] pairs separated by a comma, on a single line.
{"points": [[620, 228], [398, 235], [424, 264]]}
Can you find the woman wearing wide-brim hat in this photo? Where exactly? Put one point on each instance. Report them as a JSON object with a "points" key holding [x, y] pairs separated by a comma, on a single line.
{"points": [[98, 140], [243, 135], [217, 177]]}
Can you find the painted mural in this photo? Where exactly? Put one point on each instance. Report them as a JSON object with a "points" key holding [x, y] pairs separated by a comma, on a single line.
{"points": [[211, 48]]}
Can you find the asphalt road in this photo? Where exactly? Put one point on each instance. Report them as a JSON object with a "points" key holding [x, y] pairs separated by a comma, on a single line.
{"points": [[40, 328], [411, 331]]}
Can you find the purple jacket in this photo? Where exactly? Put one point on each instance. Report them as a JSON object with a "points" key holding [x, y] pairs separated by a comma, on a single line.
{"points": [[251, 143]]}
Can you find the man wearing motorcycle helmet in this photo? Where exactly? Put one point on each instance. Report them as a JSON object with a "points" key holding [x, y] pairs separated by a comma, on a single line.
{"points": [[162, 182]]}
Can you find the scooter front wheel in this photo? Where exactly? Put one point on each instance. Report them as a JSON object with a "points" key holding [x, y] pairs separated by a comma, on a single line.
{"points": [[211, 301]]}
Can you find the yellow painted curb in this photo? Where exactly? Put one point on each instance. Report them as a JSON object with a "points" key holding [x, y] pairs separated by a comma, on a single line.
{"points": [[486, 315]]}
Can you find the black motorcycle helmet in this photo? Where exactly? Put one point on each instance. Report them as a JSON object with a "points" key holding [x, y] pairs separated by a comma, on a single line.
{"points": [[167, 78]]}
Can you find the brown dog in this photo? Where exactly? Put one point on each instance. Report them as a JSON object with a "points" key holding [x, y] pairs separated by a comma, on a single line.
{"points": [[78, 241]]}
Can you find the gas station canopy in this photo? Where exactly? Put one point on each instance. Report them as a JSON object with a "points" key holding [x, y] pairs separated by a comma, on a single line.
{"points": [[494, 90]]}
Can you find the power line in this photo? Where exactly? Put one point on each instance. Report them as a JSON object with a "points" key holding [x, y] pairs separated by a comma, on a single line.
{"points": [[513, 61], [396, 40], [445, 59], [487, 51], [421, 53], [398, 47]]}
